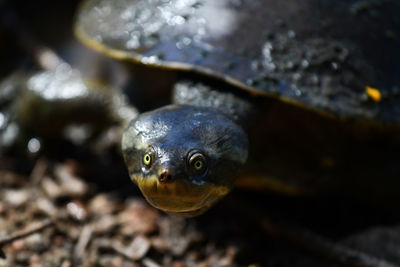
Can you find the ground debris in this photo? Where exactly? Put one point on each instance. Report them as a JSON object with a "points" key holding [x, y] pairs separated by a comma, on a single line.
{"points": [[80, 225], [138, 217], [47, 207], [102, 204], [150, 263], [15, 238], [72, 185], [138, 248], [16, 198], [77, 210], [82, 243]]}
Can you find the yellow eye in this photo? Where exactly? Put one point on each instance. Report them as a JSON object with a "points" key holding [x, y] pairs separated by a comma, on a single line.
{"points": [[197, 162], [198, 165], [147, 159]]}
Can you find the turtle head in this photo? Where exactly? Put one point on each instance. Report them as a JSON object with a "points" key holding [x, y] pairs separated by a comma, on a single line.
{"points": [[184, 158]]}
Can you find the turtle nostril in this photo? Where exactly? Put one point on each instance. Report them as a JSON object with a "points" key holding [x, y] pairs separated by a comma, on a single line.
{"points": [[165, 177]]}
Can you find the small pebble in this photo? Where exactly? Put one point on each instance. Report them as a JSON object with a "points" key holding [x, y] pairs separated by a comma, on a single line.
{"points": [[150, 263], [46, 206], [138, 217], [138, 248], [17, 245], [51, 189], [104, 224], [16, 198], [71, 185], [101, 204], [36, 242], [77, 210]]}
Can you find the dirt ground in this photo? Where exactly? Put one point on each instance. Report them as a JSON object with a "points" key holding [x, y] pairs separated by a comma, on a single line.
{"points": [[54, 215]]}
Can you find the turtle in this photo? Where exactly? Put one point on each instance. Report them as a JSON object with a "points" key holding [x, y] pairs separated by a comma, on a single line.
{"points": [[295, 97]]}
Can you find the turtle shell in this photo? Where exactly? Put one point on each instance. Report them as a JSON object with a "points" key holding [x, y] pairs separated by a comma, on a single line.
{"points": [[301, 60], [339, 57]]}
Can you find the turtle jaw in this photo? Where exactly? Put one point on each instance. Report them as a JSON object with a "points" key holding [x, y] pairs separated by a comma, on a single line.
{"points": [[180, 197]]}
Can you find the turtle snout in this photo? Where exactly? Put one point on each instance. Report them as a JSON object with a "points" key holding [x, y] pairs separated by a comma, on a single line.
{"points": [[165, 176]]}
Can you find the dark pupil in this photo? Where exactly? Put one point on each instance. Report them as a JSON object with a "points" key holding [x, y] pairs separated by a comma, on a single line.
{"points": [[147, 158], [198, 164]]}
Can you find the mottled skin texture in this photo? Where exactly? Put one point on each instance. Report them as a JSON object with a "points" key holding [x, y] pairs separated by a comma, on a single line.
{"points": [[170, 136]]}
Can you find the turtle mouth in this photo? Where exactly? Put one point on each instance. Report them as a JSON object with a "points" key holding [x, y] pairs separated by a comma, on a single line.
{"points": [[180, 197]]}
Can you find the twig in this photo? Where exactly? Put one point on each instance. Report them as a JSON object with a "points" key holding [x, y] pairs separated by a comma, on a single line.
{"points": [[38, 171], [83, 241], [34, 228], [135, 251], [118, 248]]}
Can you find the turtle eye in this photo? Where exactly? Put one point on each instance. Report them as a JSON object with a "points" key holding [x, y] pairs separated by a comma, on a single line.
{"points": [[197, 162], [147, 159]]}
